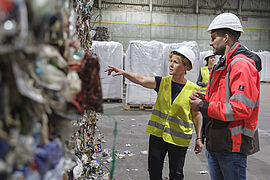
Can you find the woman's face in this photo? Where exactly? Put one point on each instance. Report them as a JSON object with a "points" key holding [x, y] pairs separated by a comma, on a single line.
{"points": [[176, 65], [211, 60]]}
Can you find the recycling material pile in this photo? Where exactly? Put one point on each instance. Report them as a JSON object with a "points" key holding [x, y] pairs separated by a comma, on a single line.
{"points": [[85, 146], [47, 69], [84, 13]]}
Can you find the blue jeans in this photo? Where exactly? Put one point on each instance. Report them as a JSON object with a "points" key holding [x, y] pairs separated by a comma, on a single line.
{"points": [[158, 149], [227, 166]]}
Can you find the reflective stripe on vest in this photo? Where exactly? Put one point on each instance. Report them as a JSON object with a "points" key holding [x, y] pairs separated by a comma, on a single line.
{"points": [[156, 124], [238, 96], [177, 134], [172, 119], [169, 131]]}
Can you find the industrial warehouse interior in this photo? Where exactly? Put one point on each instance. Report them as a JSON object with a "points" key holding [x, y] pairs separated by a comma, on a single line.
{"points": [[83, 89]]}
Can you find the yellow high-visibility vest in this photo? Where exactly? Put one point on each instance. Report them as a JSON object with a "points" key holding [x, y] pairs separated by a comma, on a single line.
{"points": [[205, 77], [170, 121]]}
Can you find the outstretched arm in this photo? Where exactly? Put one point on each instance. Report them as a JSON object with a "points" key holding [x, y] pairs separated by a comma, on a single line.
{"points": [[147, 82]]}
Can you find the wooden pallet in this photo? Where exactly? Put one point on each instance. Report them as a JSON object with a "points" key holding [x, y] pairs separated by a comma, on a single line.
{"points": [[139, 106], [109, 100]]}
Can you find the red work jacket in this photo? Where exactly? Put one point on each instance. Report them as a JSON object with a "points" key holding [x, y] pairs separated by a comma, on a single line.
{"points": [[232, 100]]}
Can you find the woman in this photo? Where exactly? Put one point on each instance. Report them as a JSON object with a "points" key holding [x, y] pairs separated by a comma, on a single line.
{"points": [[171, 123], [205, 71]]}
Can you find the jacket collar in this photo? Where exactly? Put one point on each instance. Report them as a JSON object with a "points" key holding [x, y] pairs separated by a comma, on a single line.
{"points": [[231, 51], [223, 61]]}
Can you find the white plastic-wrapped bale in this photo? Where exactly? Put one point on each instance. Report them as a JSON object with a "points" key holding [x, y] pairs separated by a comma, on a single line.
{"points": [[150, 59], [145, 58], [110, 53], [265, 59]]}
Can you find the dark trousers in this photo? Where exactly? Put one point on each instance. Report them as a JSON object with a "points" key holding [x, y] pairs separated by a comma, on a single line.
{"points": [[158, 149]]}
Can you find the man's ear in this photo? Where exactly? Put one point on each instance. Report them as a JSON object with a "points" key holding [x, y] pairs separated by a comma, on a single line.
{"points": [[226, 38]]}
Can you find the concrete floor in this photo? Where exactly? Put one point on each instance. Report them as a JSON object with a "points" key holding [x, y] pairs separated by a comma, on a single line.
{"points": [[132, 137]]}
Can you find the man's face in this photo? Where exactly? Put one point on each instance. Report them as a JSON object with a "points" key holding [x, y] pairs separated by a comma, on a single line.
{"points": [[218, 43]]}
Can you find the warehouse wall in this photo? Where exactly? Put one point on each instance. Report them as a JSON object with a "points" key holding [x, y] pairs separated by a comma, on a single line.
{"points": [[177, 21]]}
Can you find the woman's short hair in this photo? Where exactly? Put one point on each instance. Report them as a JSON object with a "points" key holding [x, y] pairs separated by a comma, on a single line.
{"points": [[185, 61]]}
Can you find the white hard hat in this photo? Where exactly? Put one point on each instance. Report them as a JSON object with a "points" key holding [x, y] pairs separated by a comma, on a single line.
{"points": [[187, 52], [209, 53], [226, 20]]}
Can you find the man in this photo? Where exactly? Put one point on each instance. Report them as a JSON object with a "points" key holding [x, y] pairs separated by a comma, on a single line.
{"points": [[231, 104]]}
